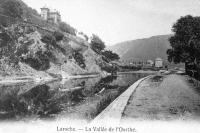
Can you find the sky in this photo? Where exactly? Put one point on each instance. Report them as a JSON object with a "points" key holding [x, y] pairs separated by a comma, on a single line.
{"points": [[116, 21]]}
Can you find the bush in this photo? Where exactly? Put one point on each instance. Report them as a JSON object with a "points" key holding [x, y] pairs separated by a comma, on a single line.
{"points": [[12, 8], [58, 35], [110, 55], [67, 28], [49, 39], [8, 45], [79, 59], [4, 21], [102, 104], [40, 61], [5, 39], [97, 44]]}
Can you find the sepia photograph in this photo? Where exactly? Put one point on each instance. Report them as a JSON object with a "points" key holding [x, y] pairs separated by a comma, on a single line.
{"points": [[99, 66]]}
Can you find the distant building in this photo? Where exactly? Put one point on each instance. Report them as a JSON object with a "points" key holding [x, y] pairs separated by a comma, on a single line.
{"points": [[158, 62], [50, 16], [150, 63]]}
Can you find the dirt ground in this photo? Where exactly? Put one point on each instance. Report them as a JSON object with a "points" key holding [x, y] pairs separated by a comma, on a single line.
{"points": [[169, 97]]}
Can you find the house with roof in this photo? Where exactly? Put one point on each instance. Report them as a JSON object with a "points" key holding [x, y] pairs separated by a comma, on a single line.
{"points": [[158, 62], [52, 16]]}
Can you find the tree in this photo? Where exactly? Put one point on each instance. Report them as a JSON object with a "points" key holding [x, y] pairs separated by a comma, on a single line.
{"points": [[64, 27], [8, 45], [12, 8], [110, 55], [186, 44], [97, 44], [58, 35], [85, 36], [186, 40]]}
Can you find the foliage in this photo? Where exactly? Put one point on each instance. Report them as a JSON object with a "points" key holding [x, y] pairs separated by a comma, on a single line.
{"points": [[12, 8], [109, 69], [85, 36], [110, 55], [50, 40], [58, 35], [186, 40], [67, 28], [40, 61], [97, 44], [105, 101], [79, 59], [7, 45]]}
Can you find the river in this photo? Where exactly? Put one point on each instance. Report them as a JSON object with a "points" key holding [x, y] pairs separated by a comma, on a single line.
{"points": [[73, 99]]}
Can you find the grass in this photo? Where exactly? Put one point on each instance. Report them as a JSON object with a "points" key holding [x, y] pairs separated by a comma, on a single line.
{"points": [[194, 82], [157, 78], [105, 101], [101, 104], [106, 98]]}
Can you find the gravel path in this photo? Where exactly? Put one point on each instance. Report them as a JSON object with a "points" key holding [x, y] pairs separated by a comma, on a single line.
{"points": [[168, 97]]}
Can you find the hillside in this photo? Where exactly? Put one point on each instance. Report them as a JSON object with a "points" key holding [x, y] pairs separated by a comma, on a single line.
{"points": [[35, 51], [143, 49], [27, 11]]}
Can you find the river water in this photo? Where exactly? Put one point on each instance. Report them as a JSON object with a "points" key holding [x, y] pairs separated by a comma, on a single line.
{"points": [[77, 99]]}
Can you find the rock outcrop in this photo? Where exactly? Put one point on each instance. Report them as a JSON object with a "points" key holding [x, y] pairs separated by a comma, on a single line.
{"points": [[41, 55]]}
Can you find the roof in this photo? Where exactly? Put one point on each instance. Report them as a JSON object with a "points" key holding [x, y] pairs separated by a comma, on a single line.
{"points": [[159, 59], [54, 13], [44, 8], [149, 60]]}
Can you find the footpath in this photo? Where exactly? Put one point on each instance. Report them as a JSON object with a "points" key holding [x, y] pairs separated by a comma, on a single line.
{"points": [[161, 97]]}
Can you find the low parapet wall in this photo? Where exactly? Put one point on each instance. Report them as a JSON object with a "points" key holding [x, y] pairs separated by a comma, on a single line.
{"points": [[113, 113]]}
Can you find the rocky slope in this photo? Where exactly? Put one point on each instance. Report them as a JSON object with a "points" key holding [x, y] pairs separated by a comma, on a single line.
{"points": [[34, 48], [41, 55]]}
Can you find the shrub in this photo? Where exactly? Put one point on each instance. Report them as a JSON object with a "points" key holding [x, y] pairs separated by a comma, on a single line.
{"points": [[49, 39], [97, 44], [8, 45], [109, 69], [58, 35], [41, 61], [102, 104], [4, 21], [110, 55], [79, 59], [67, 28], [12, 8]]}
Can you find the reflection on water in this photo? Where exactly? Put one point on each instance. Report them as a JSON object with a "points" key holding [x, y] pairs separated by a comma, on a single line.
{"points": [[81, 98]]}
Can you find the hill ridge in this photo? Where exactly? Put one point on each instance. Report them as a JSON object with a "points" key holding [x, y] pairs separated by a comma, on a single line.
{"points": [[143, 49]]}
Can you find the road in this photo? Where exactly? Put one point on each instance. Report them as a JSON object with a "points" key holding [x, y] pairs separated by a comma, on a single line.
{"points": [[168, 97]]}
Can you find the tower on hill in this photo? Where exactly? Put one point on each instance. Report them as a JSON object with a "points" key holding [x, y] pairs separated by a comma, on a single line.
{"points": [[50, 16]]}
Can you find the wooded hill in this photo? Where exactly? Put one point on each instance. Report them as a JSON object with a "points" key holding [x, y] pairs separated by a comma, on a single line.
{"points": [[143, 49]]}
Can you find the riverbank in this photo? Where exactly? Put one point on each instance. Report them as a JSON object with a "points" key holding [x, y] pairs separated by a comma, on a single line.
{"points": [[139, 71], [41, 77], [23, 79], [115, 110], [81, 99]]}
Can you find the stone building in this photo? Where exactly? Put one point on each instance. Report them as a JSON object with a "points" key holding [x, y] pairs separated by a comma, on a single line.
{"points": [[50, 16], [158, 63], [150, 63]]}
